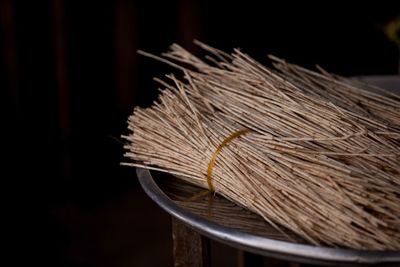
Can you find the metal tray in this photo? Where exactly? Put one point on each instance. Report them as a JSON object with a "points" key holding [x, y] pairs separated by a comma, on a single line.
{"points": [[228, 223], [246, 232]]}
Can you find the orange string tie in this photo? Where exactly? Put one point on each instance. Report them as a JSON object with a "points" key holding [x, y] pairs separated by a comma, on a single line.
{"points": [[211, 164]]}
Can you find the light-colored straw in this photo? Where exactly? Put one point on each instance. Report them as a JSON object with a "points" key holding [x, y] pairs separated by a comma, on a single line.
{"points": [[321, 158]]}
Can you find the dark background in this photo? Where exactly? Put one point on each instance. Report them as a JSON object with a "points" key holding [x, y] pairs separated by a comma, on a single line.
{"points": [[70, 77]]}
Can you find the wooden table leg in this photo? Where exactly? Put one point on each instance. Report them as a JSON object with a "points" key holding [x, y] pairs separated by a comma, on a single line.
{"points": [[189, 247]]}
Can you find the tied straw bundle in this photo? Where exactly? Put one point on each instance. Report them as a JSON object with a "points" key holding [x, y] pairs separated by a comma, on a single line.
{"points": [[305, 150]]}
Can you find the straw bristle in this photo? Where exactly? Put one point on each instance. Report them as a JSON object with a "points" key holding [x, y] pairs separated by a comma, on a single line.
{"points": [[321, 158]]}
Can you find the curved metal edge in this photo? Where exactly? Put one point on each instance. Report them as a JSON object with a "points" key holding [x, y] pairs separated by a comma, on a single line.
{"points": [[258, 244]]}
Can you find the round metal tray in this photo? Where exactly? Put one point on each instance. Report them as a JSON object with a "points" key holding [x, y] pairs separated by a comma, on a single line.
{"points": [[225, 222], [257, 242]]}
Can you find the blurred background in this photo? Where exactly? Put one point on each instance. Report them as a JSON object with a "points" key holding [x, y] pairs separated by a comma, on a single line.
{"points": [[70, 77]]}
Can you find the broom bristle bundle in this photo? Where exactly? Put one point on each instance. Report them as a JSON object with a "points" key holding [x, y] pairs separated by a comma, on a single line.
{"points": [[321, 156]]}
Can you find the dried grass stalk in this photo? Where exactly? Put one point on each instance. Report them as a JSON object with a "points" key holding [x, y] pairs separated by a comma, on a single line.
{"points": [[321, 157]]}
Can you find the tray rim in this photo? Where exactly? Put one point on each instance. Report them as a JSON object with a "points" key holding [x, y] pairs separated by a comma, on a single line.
{"points": [[261, 245]]}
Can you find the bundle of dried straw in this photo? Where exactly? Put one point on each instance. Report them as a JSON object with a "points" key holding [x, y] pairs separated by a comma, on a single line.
{"points": [[305, 150]]}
